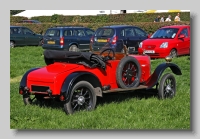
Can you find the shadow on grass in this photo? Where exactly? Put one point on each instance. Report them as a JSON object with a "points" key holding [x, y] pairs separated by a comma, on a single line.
{"points": [[122, 96], [106, 99]]}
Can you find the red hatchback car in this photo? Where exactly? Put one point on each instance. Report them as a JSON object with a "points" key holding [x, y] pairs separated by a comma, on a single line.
{"points": [[169, 40]]}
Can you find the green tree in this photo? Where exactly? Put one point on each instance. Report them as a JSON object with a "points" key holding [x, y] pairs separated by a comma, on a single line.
{"points": [[13, 12]]}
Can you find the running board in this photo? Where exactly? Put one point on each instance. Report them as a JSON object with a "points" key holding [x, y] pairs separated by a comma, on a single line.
{"points": [[128, 89]]}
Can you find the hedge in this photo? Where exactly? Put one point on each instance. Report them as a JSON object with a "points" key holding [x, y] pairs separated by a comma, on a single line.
{"points": [[128, 17], [149, 27]]}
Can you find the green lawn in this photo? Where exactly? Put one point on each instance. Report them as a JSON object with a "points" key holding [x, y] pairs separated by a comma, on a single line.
{"points": [[114, 111]]}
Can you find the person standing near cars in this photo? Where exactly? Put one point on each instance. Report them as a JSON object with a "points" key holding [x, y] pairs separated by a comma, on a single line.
{"points": [[157, 19], [168, 19], [177, 18], [162, 19]]}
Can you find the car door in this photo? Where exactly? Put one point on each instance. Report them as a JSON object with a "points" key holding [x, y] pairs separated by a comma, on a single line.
{"points": [[89, 33], [70, 37], [83, 39], [17, 36], [184, 43], [30, 37], [131, 40]]}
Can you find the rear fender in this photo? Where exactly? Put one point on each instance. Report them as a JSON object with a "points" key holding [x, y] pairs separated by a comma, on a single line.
{"points": [[70, 80], [73, 43], [153, 79], [24, 78]]}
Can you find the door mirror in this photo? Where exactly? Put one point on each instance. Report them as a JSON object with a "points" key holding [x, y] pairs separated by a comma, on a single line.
{"points": [[181, 36], [149, 35]]}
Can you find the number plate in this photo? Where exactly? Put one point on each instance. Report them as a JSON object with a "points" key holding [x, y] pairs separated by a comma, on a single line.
{"points": [[131, 49], [149, 51], [101, 40], [51, 42]]}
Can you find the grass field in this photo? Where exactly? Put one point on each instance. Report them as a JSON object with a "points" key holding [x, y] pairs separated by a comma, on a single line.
{"points": [[114, 111]]}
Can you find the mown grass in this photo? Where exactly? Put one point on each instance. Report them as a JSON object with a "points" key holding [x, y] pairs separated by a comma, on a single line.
{"points": [[114, 111]]}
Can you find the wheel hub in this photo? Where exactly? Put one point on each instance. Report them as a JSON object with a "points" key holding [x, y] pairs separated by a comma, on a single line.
{"points": [[169, 89], [81, 100], [129, 73]]}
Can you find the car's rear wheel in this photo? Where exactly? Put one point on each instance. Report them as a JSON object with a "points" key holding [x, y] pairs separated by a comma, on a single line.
{"points": [[83, 97], [74, 48], [167, 86], [173, 53], [35, 99], [128, 72], [12, 44]]}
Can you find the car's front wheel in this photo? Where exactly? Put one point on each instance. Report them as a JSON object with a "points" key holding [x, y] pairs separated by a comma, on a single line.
{"points": [[12, 44], [82, 97], [173, 53], [167, 86]]}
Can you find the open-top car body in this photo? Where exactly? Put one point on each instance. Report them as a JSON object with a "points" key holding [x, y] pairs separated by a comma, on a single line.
{"points": [[77, 78]]}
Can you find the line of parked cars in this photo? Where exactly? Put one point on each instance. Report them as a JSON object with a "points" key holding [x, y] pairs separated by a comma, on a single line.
{"points": [[169, 40]]}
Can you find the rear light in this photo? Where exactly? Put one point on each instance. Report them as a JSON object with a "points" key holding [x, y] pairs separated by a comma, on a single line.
{"points": [[114, 40], [62, 98], [21, 92], [92, 39], [62, 41]]}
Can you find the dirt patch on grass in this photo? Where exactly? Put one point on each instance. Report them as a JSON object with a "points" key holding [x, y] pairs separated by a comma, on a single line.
{"points": [[16, 79]]}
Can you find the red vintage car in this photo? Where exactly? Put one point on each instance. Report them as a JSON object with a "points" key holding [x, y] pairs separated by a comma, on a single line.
{"points": [[169, 40], [77, 78]]}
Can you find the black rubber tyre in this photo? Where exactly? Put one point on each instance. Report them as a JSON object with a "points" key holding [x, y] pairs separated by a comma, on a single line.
{"points": [[35, 99], [83, 97], [74, 48], [40, 43], [173, 53], [12, 44], [27, 100], [128, 72], [167, 86]]}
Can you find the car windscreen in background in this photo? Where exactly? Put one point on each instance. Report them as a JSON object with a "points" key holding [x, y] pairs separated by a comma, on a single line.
{"points": [[52, 33], [168, 33], [104, 32]]}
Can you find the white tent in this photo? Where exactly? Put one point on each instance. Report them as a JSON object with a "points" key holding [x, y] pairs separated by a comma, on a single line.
{"points": [[32, 13]]}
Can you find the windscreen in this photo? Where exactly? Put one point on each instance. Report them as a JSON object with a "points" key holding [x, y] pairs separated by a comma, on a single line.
{"points": [[104, 32], [167, 33]]}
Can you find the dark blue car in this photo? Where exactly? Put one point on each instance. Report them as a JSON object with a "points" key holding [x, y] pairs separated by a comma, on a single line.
{"points": [[113, 35], [68, 38], [23, 36]]}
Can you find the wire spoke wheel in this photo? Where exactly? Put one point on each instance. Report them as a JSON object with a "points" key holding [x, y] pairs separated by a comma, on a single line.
{"points": [[82, 98], [167, 87], [128, 72]]}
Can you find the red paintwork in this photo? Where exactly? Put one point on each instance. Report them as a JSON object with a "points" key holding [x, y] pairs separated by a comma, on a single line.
{"points": [[182, 46], [54, 75]]}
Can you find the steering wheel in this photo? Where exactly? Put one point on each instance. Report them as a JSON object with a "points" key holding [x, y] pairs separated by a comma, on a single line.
{"points": [[108, 57]]}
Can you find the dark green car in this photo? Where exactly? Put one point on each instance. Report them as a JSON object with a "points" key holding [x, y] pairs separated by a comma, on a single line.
{"points": [[23, 36]]}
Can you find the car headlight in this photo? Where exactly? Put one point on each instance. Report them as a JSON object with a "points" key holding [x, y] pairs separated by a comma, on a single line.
{"points": [[140, 45], [164, 45]]}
